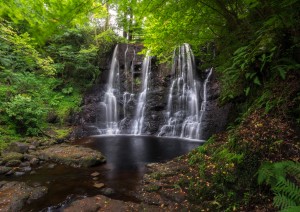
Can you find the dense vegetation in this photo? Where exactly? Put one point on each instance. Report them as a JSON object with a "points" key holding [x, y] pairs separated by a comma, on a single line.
{"points": [[50, 54]]}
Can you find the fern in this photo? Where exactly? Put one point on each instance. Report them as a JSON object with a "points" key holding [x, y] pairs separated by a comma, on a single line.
{"points": [[287, 193], [288, 189], [265, 173], [294, 169], [291, 209], [281, 201]]}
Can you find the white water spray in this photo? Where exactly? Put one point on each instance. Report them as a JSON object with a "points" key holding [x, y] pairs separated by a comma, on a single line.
{"points": [[184, 117], [110, 98], [138, 121]]}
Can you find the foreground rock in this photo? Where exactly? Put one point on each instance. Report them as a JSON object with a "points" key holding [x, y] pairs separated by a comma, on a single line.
{"points": [[164, 185], [71, 155], [14, 195], [18, 147], [102, 203]]}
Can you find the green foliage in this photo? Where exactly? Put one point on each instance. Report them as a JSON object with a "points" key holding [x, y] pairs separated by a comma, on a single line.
{"points": [[262, 55], [26, 113], [77, 53], [107, 40], [218, 176], [18, 54], [42, 19], [279, 176]]}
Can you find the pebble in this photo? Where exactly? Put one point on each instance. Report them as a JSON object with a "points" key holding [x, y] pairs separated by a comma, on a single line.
{"points": [[99, 185], [24, 164], [107, 191], [26, 169], [51, 166], [34, 161], [95, 174], [19, 173]]}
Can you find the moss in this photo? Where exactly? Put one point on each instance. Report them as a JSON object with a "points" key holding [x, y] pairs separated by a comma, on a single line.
{"points": [[7, 135], [61, 132], [156, 175], [152, 188], [10, 156]]}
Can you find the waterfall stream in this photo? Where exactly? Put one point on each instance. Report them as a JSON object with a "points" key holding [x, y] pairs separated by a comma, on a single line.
{"points": [[138, 121], [185, 105], [110, 97], [184, 117]]}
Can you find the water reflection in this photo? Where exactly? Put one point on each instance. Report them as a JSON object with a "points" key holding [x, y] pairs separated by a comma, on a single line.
{"points": [[126, 159]]}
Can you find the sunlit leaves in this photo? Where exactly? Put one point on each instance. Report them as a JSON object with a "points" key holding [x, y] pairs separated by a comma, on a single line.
{"points": [[18, 53], [42, 18]]}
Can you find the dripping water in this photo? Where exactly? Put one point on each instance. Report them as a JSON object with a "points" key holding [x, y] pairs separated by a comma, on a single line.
{"points": [[138, 121], [183, 116], [110, 97]]}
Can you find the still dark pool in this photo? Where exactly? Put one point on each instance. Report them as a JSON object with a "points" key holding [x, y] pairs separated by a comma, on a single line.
{"points": [[125, 166]]}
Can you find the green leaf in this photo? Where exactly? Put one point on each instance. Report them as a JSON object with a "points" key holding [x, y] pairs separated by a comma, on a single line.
{"points": [[247, 90], [282, 72], [256, 81]]}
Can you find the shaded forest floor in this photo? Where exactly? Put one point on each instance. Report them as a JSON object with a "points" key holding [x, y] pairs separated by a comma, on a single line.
{"points": [[222, 174]]}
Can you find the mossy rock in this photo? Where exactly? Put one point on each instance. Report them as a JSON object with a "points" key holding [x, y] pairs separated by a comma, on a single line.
{"points": [[8, 156], [72, 155], [18, 147]]}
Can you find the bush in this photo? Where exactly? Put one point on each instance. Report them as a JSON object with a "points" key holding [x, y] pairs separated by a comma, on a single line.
{"points": [[27, 114]]}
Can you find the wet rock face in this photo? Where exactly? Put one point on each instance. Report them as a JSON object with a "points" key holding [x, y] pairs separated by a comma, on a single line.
{"points": [[216, 117], [156, 100]]}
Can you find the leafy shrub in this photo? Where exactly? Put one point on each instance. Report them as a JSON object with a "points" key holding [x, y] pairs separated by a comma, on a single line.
{"points": [[27, 114], [19, 54]]}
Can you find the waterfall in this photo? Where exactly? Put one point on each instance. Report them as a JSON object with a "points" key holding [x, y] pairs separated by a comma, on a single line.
{"points": [[125, 111], [183, 116], [110, 97], [138, 121], [204, 101]]}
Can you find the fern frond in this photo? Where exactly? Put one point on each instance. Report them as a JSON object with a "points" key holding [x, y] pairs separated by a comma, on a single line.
{"points": [[283, 202], [291, 209], [289, 189], [294, 169], [287, 192], [265, 173]]}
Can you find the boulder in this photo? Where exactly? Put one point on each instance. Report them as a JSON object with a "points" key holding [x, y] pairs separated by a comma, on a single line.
{"points": [[8, 156], [71, 155], [14, 195], [18, 147], [102, 203], [4, 169], [13, 163]]}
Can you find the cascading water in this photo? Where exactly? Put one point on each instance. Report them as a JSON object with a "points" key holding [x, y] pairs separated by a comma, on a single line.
{"points": [[204, 101], [186, 103], [183, 114], [110, 98], [138, 121]]}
